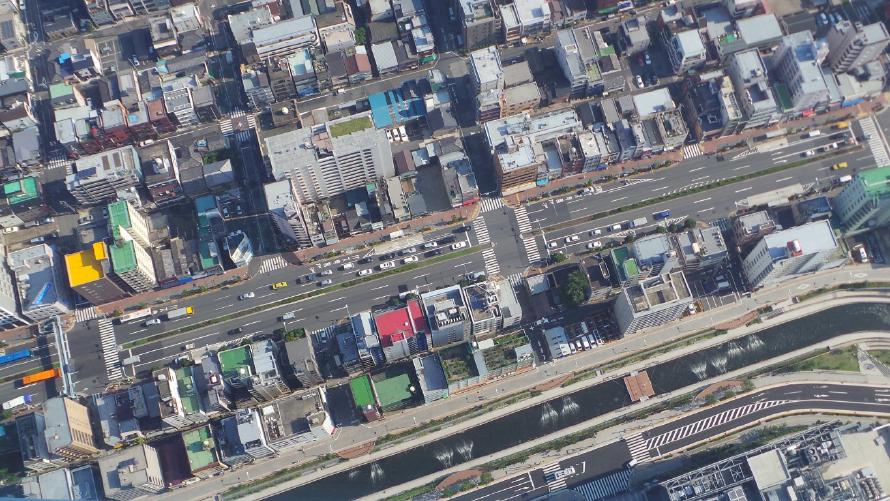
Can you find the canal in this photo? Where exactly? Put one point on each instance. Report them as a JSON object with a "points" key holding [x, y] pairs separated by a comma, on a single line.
{"points": [[582, 405]]}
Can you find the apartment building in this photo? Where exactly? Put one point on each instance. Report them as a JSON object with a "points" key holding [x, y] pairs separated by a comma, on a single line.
{"points": [[492, 306], [652, 302], [480, 24], [332, 158], [752, 87], [304, 366], [179, 399], [798, 66], [851, 45], [100, 178], [686, 51], [790, 252], [447, 316], [864, 202]]}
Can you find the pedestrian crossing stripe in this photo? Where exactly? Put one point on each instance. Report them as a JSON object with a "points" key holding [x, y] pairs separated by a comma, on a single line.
{"points": [[85, 314], [550, 468], [692, 151], [515, 280], [875, 141], [637, 448], [481, 231], [604, 487], [272, 264], [109, 350], [492, 267], [490, 204]]}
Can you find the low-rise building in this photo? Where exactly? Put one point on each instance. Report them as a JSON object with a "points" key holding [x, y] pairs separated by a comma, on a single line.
{"points": [[790, 252], [358, 344], [399, 329], [702, 248], [431, 377], [447, 316], [131, 472], [296, 420], [102, 177], [62, 484], [686, 51], [634, 35], [40, 282], [301, 357], [652, 302], [201, 452], [864, 202], [751, 227]]}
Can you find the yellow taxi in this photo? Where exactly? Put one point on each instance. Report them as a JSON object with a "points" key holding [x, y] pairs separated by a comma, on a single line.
{"points": [[839, 166], [279, 285]]}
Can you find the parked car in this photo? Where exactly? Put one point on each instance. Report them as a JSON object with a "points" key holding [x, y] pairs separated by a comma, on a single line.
{"points": [[640, 83], [365, 272], [410, 259], [458, 245]]}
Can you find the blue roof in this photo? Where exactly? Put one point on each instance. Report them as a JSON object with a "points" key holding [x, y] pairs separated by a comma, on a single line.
{"points": [[390, 108]]}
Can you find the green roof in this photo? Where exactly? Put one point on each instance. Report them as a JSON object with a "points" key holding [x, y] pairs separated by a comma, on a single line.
{"points": [[393, 390], [607, 51], [362, 394], [21, 190], [232, 361], [118, 215], [60, 90], [208, 259], [187, 391], [877, 181], [199, 448], [349, 126], [624, 264], [123, 256]]}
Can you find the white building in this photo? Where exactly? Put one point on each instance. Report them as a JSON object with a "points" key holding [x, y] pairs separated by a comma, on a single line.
{"points": [[790, 252], [492, 306], [285, 37], [851, 45], [486, 69], [239, 248], [865, 201], [686, 51], [104, 176], [751, 83], [447, 315], [40, 278], [652, 302], [332, 158], [797, 65]]}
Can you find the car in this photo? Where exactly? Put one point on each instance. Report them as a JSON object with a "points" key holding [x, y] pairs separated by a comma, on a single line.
{"points": [[839, 166], [430, 245], [462, 229], [446, 240], [652, 80], [327, 272], [365, 260], [365, 272], [348, 266], [832, 146], [409, 250], [615, 227], [572, 238], [153, 321], [597, 231], [433, 253], [387, 265], [236, 330], [11, 229], [388, 256], [809, 153], [279, 285], [594, 245], [246, 295], [458, 245], [326, 281], [640, 83], [38, 240], [553, 244], [410, 259]]}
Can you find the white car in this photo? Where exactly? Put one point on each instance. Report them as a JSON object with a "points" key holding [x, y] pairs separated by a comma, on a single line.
{"points": [[809, 153], [246, 295], [348, 266], [327, 272], [410, 259], [458, 245], [573, 238], [409, 250], [640, 83], [430, 245], [596, 232], [153, 321], [365, 272], [387, 265], [594, 245], [553, 245]]}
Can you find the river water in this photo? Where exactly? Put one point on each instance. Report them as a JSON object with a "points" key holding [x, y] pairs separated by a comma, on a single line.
{"points": [[539, 420]]}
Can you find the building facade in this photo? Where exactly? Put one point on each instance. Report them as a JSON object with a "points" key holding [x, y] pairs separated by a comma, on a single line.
{"points": [[652, 302], [864, 202], [851, 45], [790, 252]]}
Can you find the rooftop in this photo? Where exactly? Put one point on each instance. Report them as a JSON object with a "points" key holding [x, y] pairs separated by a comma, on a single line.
{"points": [[123, 256], [690, 43], [649, 103], [756, 30], [486, 64], [876, 181], [21, 190], [344, 128], [657, 291], [86, 266], [235, 363], [362, 393], [188, 393], [812, 237], [200, 448], [393, 390]]}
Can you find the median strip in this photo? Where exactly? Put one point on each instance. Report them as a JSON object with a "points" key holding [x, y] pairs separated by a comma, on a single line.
{"points": [[705, 187], [300, 297]]}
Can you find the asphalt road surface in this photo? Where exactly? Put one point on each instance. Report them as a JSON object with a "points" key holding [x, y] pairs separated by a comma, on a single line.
{"points": [[608, 462]]}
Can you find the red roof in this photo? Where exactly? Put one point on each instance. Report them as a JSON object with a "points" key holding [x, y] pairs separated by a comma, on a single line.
{"points": [[397, 325]]}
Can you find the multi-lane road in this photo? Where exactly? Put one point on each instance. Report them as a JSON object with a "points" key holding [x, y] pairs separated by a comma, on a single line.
{"points": [[604, 470]]}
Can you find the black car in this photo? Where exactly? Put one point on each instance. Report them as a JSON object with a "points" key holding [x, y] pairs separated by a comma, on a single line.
{"points": [[236, 330], [388, 256], [462, 229], [434, 252], [364, 260]]}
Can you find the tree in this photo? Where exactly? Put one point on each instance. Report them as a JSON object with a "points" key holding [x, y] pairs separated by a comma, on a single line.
{"points": [[574, 290], [558, 257], [360, 35], [661, 229], [295, 334], [689, 223]]}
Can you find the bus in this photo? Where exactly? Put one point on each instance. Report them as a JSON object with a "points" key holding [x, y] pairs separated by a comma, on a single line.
{"points": [[16, 355], [37, 377], [134, 315]]}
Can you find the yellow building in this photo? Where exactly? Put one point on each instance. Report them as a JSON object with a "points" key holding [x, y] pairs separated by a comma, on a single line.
{"points": [[89, 275]]}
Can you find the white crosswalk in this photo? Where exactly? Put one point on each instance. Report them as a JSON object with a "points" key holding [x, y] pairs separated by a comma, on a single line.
{"points": [[85, 314], [528, 241], [273, 263], [225, 125], [109, 350], [481, 231], [692, 151], [604, 487], [553, 484], [637, 447], [492, 267], [522, 221], [531, 248], [59, 161], [490, 204], [515, 280], [708, 423], [875, 141]]}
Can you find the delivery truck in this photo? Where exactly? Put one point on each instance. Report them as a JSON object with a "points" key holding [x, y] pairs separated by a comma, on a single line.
{"points": [[16, 402], [179, 313], [640, 221]]}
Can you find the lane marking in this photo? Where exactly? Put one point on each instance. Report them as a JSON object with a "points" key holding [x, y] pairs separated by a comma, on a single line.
{"points": [[697, 169], [619, 199], [702, 200], [742, 167], [783, 179], [744, 189]]}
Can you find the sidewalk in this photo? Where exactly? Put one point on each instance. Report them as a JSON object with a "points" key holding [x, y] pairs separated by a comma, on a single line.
{"points": [[347, 438]]}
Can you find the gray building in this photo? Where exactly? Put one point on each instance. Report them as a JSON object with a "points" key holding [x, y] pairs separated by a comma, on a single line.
{"points": [[797, 65], [851, 45], [131, 473], [686, 51], [41, 282], [792, 252], [652, 302], [750, 227], [577, 56], [296, 420], [100, 178], [358, 345], [447, 315], [332, 158], [752, 88], [301, 356], [61, 484], [634, 35], [702, 248], [431, 377], [480, 25], [32, 444], [492, 306]]}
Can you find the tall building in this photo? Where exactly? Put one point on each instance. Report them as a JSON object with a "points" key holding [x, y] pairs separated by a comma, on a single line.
{"points": [[99, 178], [178, 399], [358, 345], [577, 56], [89, 274], [125, 222], [131, 472], [69, 432], [790, 252], [480, 26], [130, 260], [652, 302], [399, 329], [9, 311], [32, 444], [797, 65], [748, 75], [332, 158], [864, 202], [301, 356], [851, 45], [750, 227], [40, 279], [448, 317]]}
